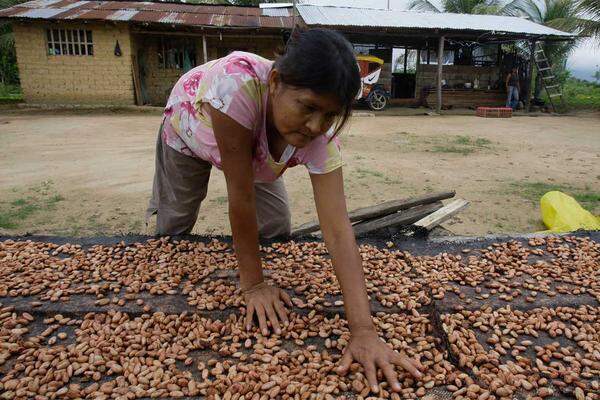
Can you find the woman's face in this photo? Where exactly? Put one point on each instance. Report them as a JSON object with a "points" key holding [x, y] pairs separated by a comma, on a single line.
{"points": [[300, 115]]}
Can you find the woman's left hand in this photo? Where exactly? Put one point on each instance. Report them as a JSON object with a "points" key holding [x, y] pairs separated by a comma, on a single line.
{"points": [[368, 349]]}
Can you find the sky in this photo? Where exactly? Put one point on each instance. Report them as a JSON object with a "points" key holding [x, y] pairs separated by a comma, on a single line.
{"points": [[583, 61]]}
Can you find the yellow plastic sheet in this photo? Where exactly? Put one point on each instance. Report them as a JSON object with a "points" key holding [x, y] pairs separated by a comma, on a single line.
{"points": [[562, 213]]}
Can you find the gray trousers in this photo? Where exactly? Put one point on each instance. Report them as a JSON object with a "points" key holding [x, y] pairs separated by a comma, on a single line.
{"points": [[181, 183]]}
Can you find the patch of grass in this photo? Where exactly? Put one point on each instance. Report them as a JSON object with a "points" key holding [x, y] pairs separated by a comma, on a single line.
{"points": [[55, 199], [588, 198], [10, 93], [579, 94], [459, 144], [473, 142], [41, 198], [453, 149], [462, 140], [6, 221], [365, 172], [18, 211], [462, 144], [220, 200], [18, 202], [482, 142]]}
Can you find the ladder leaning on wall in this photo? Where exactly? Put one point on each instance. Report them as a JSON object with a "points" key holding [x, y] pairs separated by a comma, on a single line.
{"points": [[548, 79]]}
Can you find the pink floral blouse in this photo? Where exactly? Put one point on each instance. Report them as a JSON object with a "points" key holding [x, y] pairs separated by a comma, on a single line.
{"points": [[237, 86]]}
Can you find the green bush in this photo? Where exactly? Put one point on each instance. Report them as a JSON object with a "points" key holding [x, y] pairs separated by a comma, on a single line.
{"points": [[10, 93], [579, 94]]}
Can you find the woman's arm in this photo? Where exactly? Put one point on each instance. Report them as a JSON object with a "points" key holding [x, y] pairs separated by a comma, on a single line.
{"points": [[365, 345], [235, 147], [339, 237]]}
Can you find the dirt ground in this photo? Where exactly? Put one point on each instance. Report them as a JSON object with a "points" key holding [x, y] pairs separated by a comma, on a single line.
{"points": [[90, 173]]}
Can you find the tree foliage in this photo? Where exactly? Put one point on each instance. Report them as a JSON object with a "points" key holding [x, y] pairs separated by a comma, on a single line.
{"points": [[460, 6], [9, 73], [591, 22], [558, 14]]}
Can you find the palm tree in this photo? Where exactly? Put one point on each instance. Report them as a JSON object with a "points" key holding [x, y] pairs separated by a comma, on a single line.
{"points": [[564, 15], [591, 11], [558, 14]]}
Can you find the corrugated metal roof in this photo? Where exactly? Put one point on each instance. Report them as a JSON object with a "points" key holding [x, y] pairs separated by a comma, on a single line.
{"points": [[276, 12], [153, 12], [376, 18], [122, 15]]}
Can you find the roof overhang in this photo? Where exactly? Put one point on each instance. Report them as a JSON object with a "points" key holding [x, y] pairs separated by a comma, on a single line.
{"points": [[152, 13], [378, 23]]}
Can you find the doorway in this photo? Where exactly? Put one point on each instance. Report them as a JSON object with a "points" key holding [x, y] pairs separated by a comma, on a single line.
{"points": [[404, 72]]}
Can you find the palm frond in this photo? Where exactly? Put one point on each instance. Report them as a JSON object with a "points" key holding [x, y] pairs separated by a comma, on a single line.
{"points": [[590, 23], [590, 6], [511, 9], [423, 5], [461, 6], [532, 9], [590, 28], [491, 7], [10, 3]]}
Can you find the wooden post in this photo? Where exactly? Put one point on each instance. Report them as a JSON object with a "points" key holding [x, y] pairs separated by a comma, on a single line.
{"points": [[417, 75], [440, 63], [405, 58], [530, 75], [204, 51]]}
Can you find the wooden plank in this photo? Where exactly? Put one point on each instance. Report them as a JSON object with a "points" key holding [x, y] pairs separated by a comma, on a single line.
{"points": [[401, 218], [379, 210], [441, 215], [136, 82]]}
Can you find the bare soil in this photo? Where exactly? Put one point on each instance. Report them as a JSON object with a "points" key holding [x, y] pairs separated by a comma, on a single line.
{"points": [[90, 173]]}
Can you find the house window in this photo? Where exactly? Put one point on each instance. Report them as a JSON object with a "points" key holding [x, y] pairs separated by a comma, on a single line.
{"points": [[429, 56], [70, 42], [176, 53]]}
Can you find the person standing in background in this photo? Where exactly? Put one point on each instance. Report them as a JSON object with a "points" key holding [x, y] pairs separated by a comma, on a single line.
{"points": [[513, 88]]}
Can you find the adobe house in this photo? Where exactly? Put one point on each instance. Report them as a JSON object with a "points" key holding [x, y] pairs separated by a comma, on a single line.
{"points": [[127, 52]]}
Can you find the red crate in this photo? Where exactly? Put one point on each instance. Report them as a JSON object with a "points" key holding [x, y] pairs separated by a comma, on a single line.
{"points": [[494, 112]]}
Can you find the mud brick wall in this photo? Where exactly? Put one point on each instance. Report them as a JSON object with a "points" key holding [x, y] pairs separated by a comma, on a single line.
{"points": [[101, 79], [159, 81], [464, 98]]}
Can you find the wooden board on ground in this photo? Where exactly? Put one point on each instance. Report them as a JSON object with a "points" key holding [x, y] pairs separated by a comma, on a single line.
{"points": [[379, 210], [441, 215], [399, 218]]}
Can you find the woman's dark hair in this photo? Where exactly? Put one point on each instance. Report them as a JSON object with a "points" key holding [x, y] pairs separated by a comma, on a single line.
{"points": [[323, 61]]}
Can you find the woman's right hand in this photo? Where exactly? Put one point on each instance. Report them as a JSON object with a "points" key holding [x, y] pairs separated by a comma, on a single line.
{"points": [[267, 302]]}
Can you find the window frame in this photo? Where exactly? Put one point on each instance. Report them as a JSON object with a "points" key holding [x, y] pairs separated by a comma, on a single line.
{"points": [[69, 42]]}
